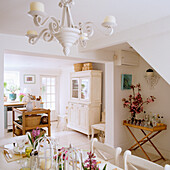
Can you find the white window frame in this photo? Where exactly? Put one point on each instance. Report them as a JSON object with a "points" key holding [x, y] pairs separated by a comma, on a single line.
{"points": [[57, 108]]}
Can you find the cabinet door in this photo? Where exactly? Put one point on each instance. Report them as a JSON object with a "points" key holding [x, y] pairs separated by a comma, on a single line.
{"points": [[71, 114], [75, 88], [84, 110], [85, 88]]}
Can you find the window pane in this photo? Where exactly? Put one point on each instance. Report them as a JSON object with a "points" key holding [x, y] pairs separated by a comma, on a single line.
{"points": [[48, 98], [52, 106], [52, 89], [48, 106], [52, 81], [48, 89], [48, 81], [53, 98]]}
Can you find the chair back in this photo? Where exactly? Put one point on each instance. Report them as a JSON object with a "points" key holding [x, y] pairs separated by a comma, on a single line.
{"points": [[136, 162], [167, 167], [102, 148]]}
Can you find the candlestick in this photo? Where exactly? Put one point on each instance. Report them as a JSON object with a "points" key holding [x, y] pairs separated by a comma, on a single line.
{"points": [[32, 32], [37, 6], [110, 19]]}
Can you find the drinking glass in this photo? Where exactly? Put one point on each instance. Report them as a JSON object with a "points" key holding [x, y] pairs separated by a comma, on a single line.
{"points": [[20, 145]]}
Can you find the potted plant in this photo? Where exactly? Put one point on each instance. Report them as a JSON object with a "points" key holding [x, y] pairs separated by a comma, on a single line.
{"points": [[5, 97], [13, 89]]}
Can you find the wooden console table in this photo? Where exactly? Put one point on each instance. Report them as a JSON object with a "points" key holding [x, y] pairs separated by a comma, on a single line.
{"points": [[24, 113], [147, 137]]}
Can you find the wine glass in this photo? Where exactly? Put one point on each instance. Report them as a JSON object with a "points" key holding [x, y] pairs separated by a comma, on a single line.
{"points": [[20, 146]]}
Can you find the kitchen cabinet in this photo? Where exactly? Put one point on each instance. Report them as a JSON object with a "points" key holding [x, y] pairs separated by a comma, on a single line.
{"points": [[85, 100]]}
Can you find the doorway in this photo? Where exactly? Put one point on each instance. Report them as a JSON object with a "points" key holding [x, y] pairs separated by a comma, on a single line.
{"points": [[48, 90]]}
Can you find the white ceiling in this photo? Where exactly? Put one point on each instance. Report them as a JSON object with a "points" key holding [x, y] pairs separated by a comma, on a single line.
{"points": [[129, 13]]}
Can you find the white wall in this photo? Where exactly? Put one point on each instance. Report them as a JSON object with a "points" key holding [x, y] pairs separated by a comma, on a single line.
{"points": [[1, 92], [160, 106], [121, 135], [65, 89]]}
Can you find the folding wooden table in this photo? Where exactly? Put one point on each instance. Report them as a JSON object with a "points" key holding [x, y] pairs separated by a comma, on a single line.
{"points": [[153, 131]]}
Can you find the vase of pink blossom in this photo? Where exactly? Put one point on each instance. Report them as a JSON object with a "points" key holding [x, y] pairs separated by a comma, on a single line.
{"points": [[135, 101], [91, 163], [34, 136], [21, 95]]}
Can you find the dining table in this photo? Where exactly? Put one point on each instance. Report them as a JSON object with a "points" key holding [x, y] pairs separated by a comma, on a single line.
{"points": [[7, 164]]}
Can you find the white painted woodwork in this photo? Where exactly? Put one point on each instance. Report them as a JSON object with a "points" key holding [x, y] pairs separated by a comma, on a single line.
{"points": [[82, 113]]}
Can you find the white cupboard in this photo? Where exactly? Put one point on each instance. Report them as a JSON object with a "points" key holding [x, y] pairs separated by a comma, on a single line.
{"points": [[85, 100]]}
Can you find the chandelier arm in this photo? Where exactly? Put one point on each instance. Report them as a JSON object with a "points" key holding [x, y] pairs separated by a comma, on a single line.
{"points": [[33, 39], [88, 28], [47, 35], [63, 16], [70, 17], [83, 43], [54, 26], [38, 20]]}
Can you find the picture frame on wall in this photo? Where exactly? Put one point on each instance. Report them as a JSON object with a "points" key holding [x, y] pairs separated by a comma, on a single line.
{"points": [[126, 81], [29, 79]]}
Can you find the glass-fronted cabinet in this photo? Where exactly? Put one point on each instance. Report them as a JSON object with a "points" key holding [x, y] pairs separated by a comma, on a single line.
{"points": [[85, 103], [75, 88], [84, 89]]}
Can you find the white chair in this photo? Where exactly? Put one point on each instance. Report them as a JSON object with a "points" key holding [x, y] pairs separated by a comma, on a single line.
{"points": [[135, 162], [102, 148], [167, 167]]}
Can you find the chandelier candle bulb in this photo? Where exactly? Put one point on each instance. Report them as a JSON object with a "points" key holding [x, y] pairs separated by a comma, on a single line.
{"points": [[84, 36], [37, 6], [110, 19], [32, 32]]}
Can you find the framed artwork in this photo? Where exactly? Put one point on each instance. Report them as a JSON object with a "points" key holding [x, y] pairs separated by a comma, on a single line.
{"points": [[29, 79], [126, 81]]}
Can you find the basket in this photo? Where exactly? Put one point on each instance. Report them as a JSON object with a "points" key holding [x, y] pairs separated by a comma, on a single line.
{"points": [[33, 120], [87, 66], [18, 131], [78, 67]]}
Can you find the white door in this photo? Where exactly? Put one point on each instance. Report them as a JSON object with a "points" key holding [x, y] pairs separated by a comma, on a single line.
{"points": [[49, 95]]}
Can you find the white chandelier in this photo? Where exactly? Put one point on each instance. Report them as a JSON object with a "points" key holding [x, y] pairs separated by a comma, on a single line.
{"points": [[66, 34]]}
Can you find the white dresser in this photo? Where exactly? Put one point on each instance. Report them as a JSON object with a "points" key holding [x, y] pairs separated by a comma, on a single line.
{"points": [[85, 100]]}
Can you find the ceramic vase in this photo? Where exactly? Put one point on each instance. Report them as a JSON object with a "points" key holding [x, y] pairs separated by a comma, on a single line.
{"points": [[12, 96], [29, 106]]}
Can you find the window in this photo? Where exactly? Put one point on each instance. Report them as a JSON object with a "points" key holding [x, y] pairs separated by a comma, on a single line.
{"points": [[12, 79], [48, 92]]}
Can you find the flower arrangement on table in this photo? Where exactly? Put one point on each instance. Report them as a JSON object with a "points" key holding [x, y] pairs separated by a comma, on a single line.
{"points": [[36, 133], [91, 163], [135, 102], [21, 95]]}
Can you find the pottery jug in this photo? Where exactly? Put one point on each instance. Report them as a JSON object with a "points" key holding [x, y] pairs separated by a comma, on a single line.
{"points": [[29, 106]]}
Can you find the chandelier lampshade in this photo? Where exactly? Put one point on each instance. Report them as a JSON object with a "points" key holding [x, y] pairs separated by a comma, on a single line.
{"points": [[64, 30]]}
